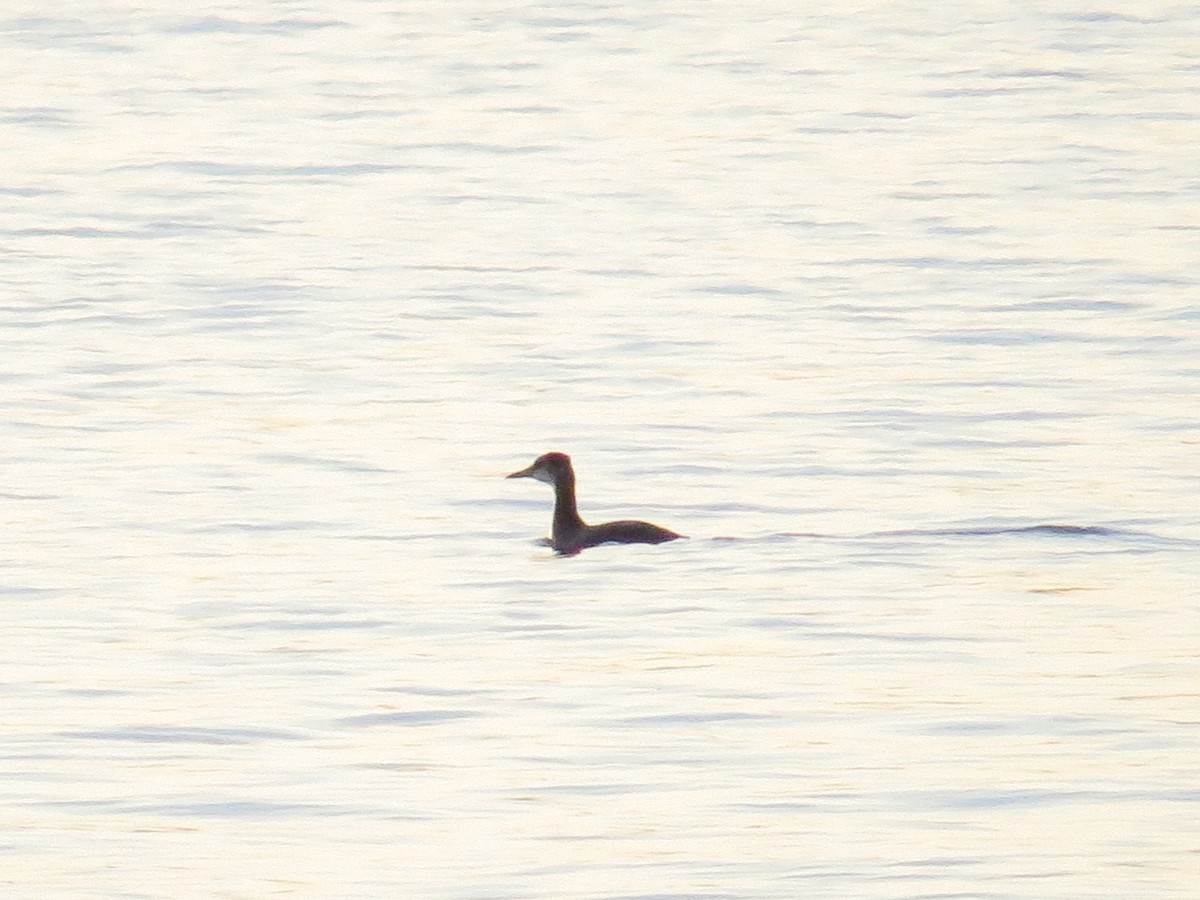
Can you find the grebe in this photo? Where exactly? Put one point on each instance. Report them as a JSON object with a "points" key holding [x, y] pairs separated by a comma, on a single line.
{"points": [[569, 533]]}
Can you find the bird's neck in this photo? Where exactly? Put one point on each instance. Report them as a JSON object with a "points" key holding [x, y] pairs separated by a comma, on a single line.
{"points": [[566, 514]]}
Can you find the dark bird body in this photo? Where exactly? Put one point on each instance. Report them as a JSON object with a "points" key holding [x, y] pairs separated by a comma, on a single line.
{"points": [[569, 533]]}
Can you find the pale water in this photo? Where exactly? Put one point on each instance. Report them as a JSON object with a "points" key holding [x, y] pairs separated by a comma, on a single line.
{"points": [[894, 309]]}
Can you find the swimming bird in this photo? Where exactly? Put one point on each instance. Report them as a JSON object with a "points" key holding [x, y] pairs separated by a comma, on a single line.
{"points": [[569, 533]]}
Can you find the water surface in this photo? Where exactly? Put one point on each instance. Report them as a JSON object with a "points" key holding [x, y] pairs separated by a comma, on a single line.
{"points": [[894, 314]]}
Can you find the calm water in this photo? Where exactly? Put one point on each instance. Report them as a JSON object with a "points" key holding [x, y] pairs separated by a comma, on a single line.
{"points": [[896, 317]]}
